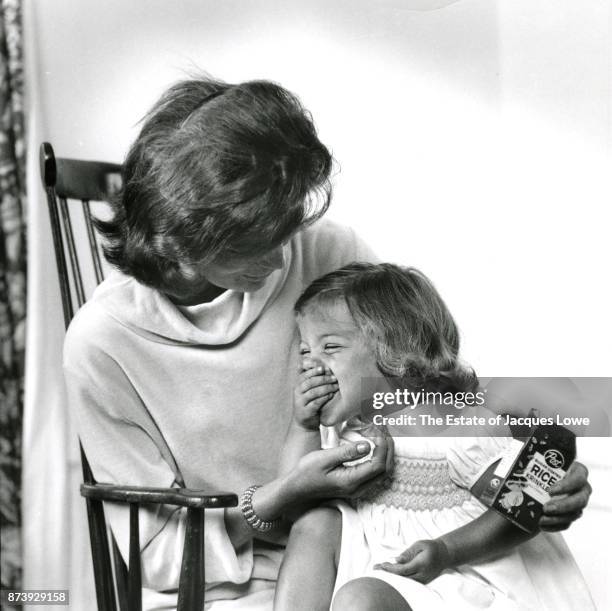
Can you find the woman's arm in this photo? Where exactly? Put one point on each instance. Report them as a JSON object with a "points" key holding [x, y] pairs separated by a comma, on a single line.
{"points": [[318, 475], [118, 437]]}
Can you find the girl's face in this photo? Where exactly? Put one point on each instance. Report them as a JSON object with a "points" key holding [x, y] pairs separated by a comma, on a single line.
{"points": [[329, 335]]}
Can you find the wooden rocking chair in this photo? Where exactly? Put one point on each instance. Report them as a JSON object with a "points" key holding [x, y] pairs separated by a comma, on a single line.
{"points": [[72, 184]]}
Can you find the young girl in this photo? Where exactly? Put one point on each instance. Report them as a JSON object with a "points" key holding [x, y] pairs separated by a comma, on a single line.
{"points": [[418, 539]]}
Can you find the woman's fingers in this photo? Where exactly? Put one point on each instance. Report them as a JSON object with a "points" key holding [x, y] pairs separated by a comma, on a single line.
{"points": [[557, 523], [568, 505], [366, 486], [575, 480], [560, 506], [335, 457], [383, 449], [381, 437], [390, 444], [568, 498], [363, 473]]}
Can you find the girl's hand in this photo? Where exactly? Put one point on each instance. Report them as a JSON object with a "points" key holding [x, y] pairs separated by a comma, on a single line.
{"points": [[423, 561], [316, 386], [321, 474]]}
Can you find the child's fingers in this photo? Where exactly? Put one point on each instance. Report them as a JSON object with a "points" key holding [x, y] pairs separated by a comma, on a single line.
{"points": [[320, 392], [312, 372], [420, 576], [414, 565], [408, 554], [313, 407], [396, 568], [309, 379]]}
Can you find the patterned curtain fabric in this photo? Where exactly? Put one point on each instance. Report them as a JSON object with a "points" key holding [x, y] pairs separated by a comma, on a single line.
{"points": [[12, 286]]}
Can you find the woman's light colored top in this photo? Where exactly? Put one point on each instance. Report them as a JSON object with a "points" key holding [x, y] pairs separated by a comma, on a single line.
{"points": [[197, 397]]}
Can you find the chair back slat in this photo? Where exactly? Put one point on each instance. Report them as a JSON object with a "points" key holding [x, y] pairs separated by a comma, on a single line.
{"points": [[87, 180], [191, 592], [93, 243], [103, 571], [60, 256], [77, 278], [72, 186]]}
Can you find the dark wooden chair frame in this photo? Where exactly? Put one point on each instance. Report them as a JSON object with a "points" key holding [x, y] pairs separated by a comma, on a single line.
{"points": [[85, 181]]}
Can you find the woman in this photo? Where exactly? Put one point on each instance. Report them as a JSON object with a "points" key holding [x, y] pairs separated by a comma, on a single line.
{"points": [[181, 367]]}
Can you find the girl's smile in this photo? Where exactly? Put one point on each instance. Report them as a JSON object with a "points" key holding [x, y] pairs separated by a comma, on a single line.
{"points": [[329, 335]]}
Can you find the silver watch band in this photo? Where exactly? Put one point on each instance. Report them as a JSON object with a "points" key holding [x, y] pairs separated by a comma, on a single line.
{"points": [[252, 519]]}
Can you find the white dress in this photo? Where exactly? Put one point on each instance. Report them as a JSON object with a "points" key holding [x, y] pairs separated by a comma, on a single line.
{"points": [[428, 496]]}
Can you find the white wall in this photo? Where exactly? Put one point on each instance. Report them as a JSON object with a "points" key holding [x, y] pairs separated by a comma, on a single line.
{"points": [[473, 142]]}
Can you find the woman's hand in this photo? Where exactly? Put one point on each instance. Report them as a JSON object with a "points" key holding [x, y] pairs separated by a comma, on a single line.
{"points": [[322, 474], [569, 497], [315, 387], [423, 561]]}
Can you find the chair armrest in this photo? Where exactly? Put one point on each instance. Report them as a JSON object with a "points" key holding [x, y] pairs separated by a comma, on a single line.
{"points": [[183, 497]]}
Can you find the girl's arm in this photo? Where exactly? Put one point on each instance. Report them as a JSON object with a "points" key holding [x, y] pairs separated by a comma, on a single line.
{"points": [[298, 443], [488, 535], [316, 385]]}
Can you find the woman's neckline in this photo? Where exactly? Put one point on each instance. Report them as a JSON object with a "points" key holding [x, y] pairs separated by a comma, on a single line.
{"points": [[208, 295]]}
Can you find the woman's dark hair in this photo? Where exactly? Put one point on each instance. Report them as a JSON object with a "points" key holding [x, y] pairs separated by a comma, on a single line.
{"points": [[216, 169], [403, 317]]}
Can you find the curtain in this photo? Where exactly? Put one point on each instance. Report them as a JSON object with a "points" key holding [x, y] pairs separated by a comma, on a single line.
{"points": [[54, 525], [12, 286]]}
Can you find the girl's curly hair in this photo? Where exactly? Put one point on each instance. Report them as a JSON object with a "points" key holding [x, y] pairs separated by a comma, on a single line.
{"points": [[407, 323]]}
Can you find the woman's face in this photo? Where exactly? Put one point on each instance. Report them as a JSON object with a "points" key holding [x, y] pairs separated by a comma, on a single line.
{"points": [[233, 272], [244, 273], [329, 335]]}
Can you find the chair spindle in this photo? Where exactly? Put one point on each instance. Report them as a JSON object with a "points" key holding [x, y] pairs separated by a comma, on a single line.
{"points": [[134, 571], [93, 242], [74, 262], [191, 586]]}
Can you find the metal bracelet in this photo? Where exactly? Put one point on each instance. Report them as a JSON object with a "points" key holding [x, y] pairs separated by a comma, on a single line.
{"points": [[252, 519]]}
